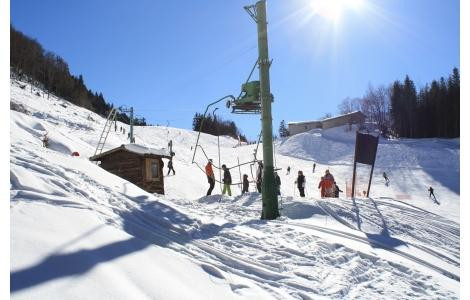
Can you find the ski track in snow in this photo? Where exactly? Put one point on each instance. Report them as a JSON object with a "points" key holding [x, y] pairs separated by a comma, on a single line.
{"points": [[318, 248]]}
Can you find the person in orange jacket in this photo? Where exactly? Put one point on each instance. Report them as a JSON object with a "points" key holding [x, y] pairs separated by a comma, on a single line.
{"points": [[210, 177]]}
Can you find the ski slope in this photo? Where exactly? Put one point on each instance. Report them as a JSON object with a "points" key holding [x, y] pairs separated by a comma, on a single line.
{"points": [[78, 231]]}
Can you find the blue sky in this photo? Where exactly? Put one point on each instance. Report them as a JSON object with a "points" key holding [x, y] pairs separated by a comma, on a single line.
{"points": [[170, 59]]}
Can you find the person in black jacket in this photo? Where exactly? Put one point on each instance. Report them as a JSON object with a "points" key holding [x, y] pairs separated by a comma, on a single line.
{"points": [[278, 183], [387, 181], [170, 167], [246, 184], [259, 176], [301, 183], [431, 193], [227, 181], [337, 190]]}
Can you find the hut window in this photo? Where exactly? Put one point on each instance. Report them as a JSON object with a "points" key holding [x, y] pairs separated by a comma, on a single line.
{"points": [[153, 170]]}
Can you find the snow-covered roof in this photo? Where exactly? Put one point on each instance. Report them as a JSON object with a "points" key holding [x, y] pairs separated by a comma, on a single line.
{"points": [[137, 149], [304, 122], [319, 121]]}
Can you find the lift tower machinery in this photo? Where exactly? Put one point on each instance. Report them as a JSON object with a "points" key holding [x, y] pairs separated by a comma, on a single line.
{"points": [[257, 98]]}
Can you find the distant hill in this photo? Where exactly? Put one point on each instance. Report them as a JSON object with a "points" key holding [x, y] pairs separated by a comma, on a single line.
{"points": [[45, 69]]}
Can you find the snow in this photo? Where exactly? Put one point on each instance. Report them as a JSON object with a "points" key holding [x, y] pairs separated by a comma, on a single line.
{"points": [[139, 149], [78, 231]]}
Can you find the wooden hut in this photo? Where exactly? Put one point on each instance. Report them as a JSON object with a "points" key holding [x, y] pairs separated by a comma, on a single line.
{"points": [[140, 165]]}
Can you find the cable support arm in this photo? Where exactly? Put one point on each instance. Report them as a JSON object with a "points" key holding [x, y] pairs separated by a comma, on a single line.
{"points": [[242, 164], [257, 145], [204, 117], [249, 76]]}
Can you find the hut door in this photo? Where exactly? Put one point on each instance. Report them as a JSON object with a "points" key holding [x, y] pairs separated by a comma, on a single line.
{"points": [[152, 170]]}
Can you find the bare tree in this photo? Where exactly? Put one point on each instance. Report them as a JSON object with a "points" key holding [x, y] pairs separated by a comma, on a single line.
{"points": [[376, 105], [349, 105]]}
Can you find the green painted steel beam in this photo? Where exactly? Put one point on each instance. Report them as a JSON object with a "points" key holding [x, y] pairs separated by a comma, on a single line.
{"points": [[269, 194]]}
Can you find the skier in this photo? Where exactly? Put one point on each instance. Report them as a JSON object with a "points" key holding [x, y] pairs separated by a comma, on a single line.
{"points": [[227, 181], [45, 140], [314, 165], [259, 176], [246, 184], [210, 177], [277, 180], [387, 181], [337, 190], [431, 193], [170, 167], [301, 183], [288, 170]]}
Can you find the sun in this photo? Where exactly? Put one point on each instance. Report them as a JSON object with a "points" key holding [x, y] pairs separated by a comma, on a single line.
{"points": [[333, 9]]}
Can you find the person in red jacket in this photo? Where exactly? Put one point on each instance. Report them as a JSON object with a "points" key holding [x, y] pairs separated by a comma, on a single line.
{"points": [[210, 177], [326, 187]]}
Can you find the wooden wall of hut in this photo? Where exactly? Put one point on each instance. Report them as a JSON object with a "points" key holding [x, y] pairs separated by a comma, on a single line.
{"points": [[132, 167]]}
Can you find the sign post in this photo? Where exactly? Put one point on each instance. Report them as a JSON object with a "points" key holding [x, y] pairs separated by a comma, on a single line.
{"points": [[365, 153]]}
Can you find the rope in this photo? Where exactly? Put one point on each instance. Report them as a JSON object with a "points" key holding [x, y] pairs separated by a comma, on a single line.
{"points": [[218, 181]]}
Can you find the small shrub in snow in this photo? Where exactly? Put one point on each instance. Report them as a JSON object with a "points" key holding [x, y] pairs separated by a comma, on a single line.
{"points": [[19, 108]]}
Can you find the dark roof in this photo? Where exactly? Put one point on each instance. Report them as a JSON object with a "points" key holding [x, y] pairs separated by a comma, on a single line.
{"points": [[136, 149]]}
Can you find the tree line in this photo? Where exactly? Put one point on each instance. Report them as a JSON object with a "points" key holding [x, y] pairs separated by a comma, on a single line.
{"points": [[45, 69], [404, 111], [216, 126]]}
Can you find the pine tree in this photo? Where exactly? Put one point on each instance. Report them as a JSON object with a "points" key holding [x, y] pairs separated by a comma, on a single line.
{"points": [[396, 110], [283, 132], [410, 103], [454, 102]]}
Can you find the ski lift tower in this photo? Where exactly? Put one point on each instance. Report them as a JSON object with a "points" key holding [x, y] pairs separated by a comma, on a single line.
{"points": [[258, 99]]}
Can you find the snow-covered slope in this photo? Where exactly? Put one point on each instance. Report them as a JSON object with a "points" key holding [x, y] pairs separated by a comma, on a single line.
{"points": [[78, 231], [411, 165]]}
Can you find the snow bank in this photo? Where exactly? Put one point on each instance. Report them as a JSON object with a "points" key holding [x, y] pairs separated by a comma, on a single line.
{"points": [[78, 231]]}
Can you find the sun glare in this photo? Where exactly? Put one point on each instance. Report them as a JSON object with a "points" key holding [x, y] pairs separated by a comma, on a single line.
{"points": [[333, 9]]}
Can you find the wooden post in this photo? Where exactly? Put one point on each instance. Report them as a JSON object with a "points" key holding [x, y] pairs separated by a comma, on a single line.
{"points": [[354, 170], [353, 181], [372, 170]]}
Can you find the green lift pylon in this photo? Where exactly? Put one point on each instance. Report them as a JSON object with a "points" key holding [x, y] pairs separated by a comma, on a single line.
{"points": [[269, 195]]}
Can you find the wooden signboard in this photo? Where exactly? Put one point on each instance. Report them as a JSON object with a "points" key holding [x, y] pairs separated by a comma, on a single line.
{"points": [[365, 153]]}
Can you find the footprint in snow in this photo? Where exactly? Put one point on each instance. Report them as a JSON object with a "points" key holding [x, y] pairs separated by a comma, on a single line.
{"points": [[236, 287], [212, 271]]}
